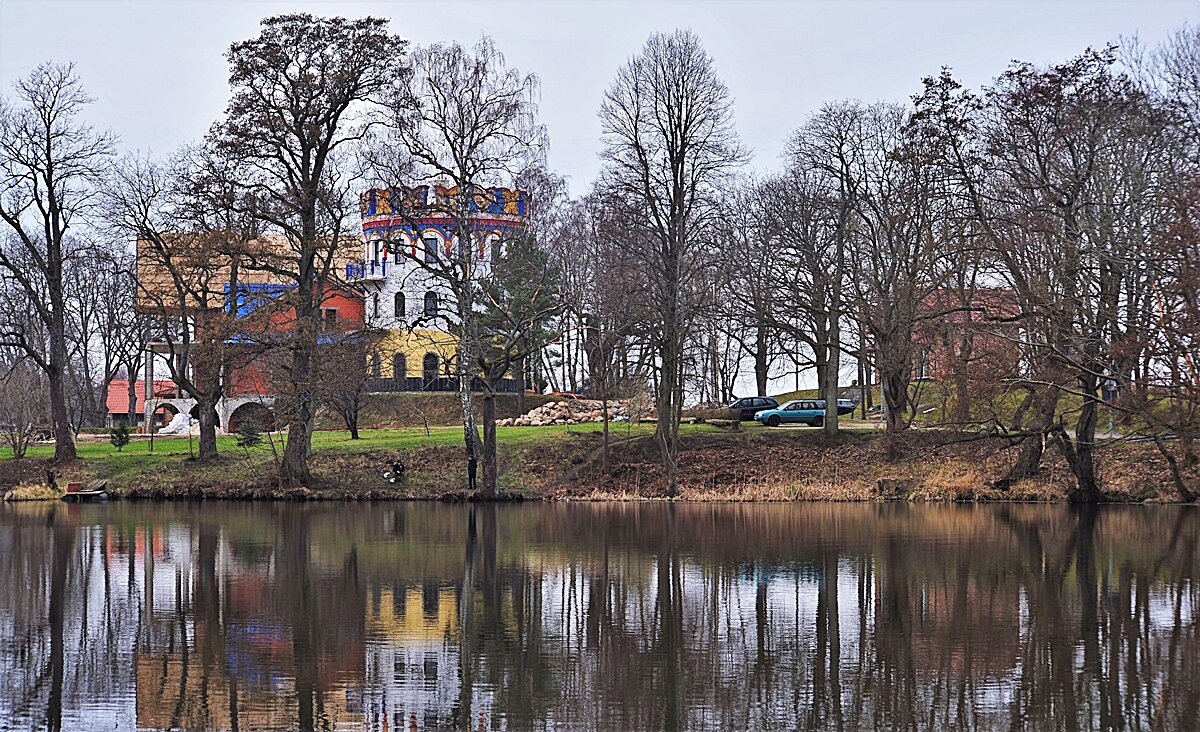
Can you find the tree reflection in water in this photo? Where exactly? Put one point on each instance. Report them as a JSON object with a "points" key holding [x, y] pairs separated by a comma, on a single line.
{"points": [[607, 616]]}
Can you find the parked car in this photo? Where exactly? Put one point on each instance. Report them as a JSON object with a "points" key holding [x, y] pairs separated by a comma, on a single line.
{"points": [[801, 411], [746, 407]]}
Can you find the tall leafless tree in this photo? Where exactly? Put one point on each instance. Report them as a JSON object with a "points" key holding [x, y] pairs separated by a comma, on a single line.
{"points": [[468, 121], [669, 144], [50, 162]]}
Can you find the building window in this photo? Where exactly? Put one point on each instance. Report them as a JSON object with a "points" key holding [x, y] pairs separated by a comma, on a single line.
{"points": [[431, 303], [375, 305], [399, 304], [431, 253], [376, 366], [429, 368], [399, 366], [921, 358], [329, 317], [494, 245]]}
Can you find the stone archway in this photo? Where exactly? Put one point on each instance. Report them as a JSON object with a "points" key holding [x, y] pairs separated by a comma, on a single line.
{"points": [[162, 416], [253, 412]]}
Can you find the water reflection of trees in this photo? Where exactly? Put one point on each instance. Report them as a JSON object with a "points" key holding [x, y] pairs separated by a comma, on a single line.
{"points": [[613, 616]]}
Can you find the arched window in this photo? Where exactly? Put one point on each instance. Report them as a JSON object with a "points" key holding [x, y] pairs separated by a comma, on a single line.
{"points": [[399, 305], [431, 303], [399, 366], [429, 368], [376, 366]]}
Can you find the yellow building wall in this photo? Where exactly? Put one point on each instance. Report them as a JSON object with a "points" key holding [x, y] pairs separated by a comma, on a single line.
{"points": [[414, 344]]}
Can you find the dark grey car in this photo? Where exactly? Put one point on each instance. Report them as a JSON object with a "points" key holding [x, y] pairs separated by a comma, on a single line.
{"points": [[748, 406]]}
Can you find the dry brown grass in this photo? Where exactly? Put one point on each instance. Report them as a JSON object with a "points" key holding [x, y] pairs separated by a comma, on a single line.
{"points": [[775, 467], [32, 492]]}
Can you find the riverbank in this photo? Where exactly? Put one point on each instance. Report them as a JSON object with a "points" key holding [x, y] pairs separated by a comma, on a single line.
{"points": [[567, 463]]}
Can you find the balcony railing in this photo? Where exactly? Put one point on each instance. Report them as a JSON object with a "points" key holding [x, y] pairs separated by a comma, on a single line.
{"points": [[416, 383], [369, 270]]}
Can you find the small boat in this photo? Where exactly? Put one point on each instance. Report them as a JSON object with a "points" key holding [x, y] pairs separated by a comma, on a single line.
{"points": [[92, 492]]}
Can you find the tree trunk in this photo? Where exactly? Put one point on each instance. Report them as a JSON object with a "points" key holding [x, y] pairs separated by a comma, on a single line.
{"points": [[208, 429], [1081, 457], [895, 397], [863, 387], [489, 445], [604, 417], [1185, 494], [962, 384], [64, 436], [760, 361], [294, 468], [1044, 404], [666, 404], [830, 387], [470, 432], [133, 412]]}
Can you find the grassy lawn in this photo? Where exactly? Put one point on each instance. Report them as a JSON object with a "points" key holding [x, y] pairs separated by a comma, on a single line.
{"points": [[404, 438]]}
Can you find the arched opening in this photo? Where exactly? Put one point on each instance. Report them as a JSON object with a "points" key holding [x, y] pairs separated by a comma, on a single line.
{"points": [[431, 303], [163, 414], [399, 366], [254, 413], [399, 306], [429, 368], [376, 366]]}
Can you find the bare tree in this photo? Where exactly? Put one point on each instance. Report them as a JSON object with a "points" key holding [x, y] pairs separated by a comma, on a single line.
{"points": [[748, 300], [469, 120], [185, 222], [304, 93], [1064, 169], [810, 213], [105, 331], [342, 371], [23, 402], [50, 163], [669, 143]]}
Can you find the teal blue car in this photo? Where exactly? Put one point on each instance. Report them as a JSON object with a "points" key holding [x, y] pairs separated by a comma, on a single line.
{"points": [[797, 411]]}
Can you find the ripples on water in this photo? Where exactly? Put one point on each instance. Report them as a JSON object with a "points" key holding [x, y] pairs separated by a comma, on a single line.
{"points": [[599, 616]]}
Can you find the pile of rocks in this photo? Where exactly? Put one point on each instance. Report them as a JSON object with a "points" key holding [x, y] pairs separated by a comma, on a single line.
{"points": [[569, 411]]}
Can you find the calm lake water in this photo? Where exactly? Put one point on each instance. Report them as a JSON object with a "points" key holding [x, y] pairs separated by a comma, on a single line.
{"points": [[598, 616]]}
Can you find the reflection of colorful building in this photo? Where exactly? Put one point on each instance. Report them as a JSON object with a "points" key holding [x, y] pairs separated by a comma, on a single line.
{"points": [[241, 659], [410, 235], [414, 656]]}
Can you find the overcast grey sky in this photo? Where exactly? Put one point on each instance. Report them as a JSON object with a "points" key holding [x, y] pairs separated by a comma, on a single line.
{"points": [[159, 76]]}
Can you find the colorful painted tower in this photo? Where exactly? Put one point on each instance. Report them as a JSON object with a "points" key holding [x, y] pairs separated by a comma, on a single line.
{"points": [[410, 233]]}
